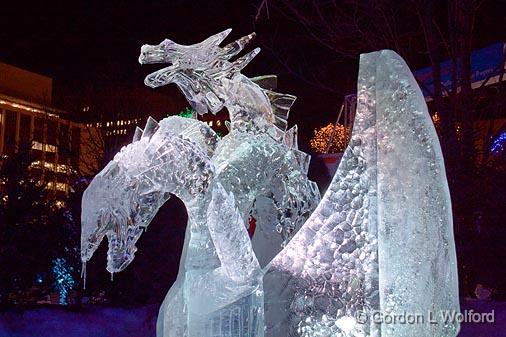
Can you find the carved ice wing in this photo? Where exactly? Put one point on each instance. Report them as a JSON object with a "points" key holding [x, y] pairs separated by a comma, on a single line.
{"points": [[317, 283], [417, 261], [381, 239]]}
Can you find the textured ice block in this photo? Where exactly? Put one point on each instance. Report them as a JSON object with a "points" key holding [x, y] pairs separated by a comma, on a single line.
{"points": [[381, 240]]}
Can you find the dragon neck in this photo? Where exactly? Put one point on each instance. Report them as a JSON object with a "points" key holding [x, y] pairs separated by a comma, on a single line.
{"points": [[250, 110]]}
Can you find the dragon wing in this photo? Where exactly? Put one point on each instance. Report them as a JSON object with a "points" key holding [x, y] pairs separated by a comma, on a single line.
{"points": [[381, 239]]}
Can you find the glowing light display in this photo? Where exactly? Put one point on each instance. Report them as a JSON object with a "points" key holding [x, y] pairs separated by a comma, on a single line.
{"points": [[322, 136], [186, 113], [498, 144], [63, 280], [27, 108]]}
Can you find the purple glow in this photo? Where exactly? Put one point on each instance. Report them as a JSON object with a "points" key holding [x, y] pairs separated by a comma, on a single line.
{"points": [[498, 144]]}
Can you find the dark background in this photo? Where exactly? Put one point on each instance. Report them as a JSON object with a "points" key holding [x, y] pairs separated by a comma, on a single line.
{"points": [[98, 42], [83, 44]]}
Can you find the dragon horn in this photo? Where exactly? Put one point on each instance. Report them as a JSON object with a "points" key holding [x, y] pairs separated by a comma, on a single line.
{"points": [[242, 62], [235, 47], [216, 39]]}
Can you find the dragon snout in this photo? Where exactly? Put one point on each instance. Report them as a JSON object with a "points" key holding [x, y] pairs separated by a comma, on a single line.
{"points": [[93, 230], [155, 53], [121, 251], [146, 53]]}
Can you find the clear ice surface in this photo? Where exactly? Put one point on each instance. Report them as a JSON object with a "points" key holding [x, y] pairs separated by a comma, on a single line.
{"points": [[380, 240]]}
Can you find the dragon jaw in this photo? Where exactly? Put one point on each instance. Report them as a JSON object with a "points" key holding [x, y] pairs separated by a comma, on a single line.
{"points": [[114, 206]]}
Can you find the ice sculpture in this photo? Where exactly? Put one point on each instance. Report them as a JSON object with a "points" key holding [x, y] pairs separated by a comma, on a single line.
{"points": [[381, 240], [219, 286], [258, 161], [121, 201], [257, 166]]}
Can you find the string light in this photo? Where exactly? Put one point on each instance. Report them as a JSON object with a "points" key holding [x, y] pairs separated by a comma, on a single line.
{"points": [[458, 131], [498, 144], [26, 108], [63, 280], [436, 120], [322, 136]]}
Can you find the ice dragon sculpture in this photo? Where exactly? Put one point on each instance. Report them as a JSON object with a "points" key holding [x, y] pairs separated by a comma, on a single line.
{"points": [[257, 163], [380, 240], [122, 199]]}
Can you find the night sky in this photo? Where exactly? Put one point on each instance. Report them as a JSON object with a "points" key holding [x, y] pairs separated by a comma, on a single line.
{"points": [[99, 41]]}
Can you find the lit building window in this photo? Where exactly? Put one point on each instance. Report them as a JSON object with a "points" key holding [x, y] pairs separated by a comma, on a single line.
{"points": [[62, 168], [42, 164], [59, 168], [44, 147], [62, 187], [58, 186]]}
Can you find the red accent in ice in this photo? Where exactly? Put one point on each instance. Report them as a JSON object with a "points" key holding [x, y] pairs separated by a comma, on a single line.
{"points": [[252, 226]]}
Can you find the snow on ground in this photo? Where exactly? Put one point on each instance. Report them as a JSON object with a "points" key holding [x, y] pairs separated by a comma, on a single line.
{"points": [[92, 322], [497, 329], [141, 322]]}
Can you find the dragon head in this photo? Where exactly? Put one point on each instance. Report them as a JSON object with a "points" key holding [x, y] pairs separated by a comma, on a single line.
{"points": [[122, 200], [117, 205], [202, 71]]}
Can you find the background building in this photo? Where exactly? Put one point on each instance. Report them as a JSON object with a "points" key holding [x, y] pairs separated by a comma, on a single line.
{"points": [[60, 148]]}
